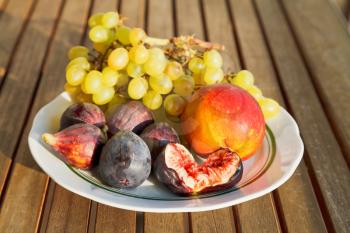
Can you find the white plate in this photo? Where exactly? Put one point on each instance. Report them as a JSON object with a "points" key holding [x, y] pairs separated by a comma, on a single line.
{"points": [[275, 162]]}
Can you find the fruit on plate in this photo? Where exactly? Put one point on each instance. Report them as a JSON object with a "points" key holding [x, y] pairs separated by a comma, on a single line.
{"points": [[83, 113], [220, 116], [177, 169], [131, 116], [79, 144], [125, 161], [157, 136]]}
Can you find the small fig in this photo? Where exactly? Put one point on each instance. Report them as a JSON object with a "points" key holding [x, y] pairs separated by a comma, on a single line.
{"points": [[157, 136], [83, 113], [177, 169], [125, 161], [131, 116], [79, 144]]}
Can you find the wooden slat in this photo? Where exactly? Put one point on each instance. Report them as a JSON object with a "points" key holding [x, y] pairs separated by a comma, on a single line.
{"points": [[17, 213], [11, 23], [163, 28], [326, 47], [213, 221], [188, 17], [324, 159], [135, 11], [261, 210], [342, 5], [297, 217]]}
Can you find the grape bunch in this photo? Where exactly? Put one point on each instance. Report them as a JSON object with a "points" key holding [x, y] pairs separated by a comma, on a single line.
{"points": [[125, 63]]}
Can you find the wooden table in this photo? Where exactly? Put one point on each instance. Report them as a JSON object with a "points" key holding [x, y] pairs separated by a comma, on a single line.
{"points": [[299, 52]]}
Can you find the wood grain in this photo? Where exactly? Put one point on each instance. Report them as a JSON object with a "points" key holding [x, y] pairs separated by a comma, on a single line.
{"points": [[325, 159], [12, 22], [297, 218], [213, 221], [165, 222]]}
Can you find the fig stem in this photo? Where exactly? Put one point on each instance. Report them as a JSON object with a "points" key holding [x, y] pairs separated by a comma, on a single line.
{"points": [[48, 138], [156, 41]]}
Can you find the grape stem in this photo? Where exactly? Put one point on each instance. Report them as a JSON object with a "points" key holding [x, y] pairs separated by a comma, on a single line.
{"points": [[153, 41]]}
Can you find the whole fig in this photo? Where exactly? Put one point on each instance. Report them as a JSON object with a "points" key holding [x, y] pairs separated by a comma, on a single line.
{"points": [[79, 144], [177, 169], [157, 136], [83, 113], [125, 161], [131, 116]]}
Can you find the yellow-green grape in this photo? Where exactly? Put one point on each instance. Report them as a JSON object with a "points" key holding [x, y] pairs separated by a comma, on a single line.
{"points": [[83, 98], [137, 88], [157, 53], [243, 79], [161, 84], [116, 100], [198, 79], [93, 82], [81, 62], [75, 75], [174, 104], [269, 107], [212, 59], [255, 92], [122, 34], [99, 34], [154, 67], [123, 79], [100, 47], [184, 86], [136, 36], [134, 70], [110, 19], [152, 100], [174, 70], [118, 59], [213, 75], [196, 65], [109, 77], [104, 96], [78, 51], [95, 20], [139, 54], [72, 90]]}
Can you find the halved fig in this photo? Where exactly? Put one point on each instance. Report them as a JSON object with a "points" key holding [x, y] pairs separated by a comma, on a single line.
{"points": [[177, 169]]}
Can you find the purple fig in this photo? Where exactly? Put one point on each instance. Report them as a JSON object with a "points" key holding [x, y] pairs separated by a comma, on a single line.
{"points": [[79, 144], [83, 113]]}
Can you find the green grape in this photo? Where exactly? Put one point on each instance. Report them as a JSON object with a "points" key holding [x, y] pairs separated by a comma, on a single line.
{"points": [[110, 19], [161, 84], [213, 75], [100, 47], [123, 79], [118, 59], [184, 86], [255, 92], [99, 34], [154, 66], [174, 70], [174, 104], [95, 20], [269, 107], [122, 35], [196, 65], [137, 88], [136, 36], [243, 79], [109, 77], [78, 51], [116, 100], [81, 62], [152, 100], [139, 54], [93, 82], [212, 59], [72, 90], [134, 70], [75, 75], [198, 79], [104, 96], [157, 54]]}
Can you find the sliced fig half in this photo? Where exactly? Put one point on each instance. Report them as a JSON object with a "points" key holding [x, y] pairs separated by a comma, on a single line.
{"points": [[177, 169]]}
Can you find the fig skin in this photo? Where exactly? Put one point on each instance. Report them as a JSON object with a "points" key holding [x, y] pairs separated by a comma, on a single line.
{"points": [[83, 113], [125, 161], [157, 136], [79, 144], [170, 177], [131, 116]]}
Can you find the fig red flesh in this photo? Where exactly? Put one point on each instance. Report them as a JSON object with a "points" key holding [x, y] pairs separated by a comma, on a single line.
{"points": [[178, 170], [79, 145]]}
